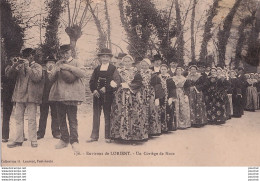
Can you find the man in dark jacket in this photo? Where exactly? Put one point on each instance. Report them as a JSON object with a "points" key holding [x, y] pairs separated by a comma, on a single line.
{"points": [[7, 90], [157, 61], [242, 81], [102, 85], [44, 107]]}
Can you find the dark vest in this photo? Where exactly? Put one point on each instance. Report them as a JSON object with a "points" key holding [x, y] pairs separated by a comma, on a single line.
{"points": [[101, 79]]}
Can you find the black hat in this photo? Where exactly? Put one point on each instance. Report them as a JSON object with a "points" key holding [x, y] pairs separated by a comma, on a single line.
{"points": [[164, 65], [157, 57], [138, 60], [50, 58], [191, 63], [201, 64], [65, 48], [240, 68], [27, 52], [120, 55], [105, 51]]}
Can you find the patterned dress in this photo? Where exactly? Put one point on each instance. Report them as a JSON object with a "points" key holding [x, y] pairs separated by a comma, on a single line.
{"points": [[251, 95], [168, 118], [150, 80], [198, 114], [182, 106], [228, 100], [128, 115], [215, 96]]}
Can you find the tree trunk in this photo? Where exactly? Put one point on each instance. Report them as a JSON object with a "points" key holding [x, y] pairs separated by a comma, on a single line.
{"points": [[207, 35], [108, 27], [241, 38], [51, 43], [193, 57], [102, 36], [180, 41], [224, 34], [73, 43]]}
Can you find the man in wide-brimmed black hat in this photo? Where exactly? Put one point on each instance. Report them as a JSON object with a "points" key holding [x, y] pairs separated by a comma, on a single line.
{"points": [[103, 83], [157, 61], [172, 69]]}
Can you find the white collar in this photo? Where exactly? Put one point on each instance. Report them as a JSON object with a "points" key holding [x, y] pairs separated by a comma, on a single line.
{"points": [[104, 67]]}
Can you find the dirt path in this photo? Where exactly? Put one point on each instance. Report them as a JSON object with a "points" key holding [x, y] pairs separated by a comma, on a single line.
{"points": [[234, 143]]}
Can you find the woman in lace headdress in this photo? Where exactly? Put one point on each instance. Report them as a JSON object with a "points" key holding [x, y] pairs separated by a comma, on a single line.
{"points": [[251, 93], [128, 120], [214, 90], [152, 92], [197, 103], [182, 102], [167, 103]]}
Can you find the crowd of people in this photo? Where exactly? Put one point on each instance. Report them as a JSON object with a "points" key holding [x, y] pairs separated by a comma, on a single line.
{"points": [[140, 98]]}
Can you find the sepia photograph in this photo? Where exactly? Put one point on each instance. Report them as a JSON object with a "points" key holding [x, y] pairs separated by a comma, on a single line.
{"points": [[130, 83]]}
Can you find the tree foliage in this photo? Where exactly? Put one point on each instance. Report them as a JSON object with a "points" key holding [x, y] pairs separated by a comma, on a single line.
{"points": [[12, 33], [224, 33], [141, 20], [207, 34], [51, 44]]}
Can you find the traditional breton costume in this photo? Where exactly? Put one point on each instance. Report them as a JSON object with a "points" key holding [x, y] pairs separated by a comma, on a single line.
{"points": [[197, 103], [182, 103], [68, 91], [235, 90], [152, 91], [251, 94], [215, 100], [101, 77], [128, 115], [167, 109], [156, 69]]}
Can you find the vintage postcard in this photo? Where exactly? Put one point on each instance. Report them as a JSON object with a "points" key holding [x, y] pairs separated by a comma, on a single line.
{"points": [[130, 82]]}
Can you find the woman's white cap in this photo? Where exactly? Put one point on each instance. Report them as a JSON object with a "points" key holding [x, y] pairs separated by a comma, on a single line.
{"points": [[147, 61]]}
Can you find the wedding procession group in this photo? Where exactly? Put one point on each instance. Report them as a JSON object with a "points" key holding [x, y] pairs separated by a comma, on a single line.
{"points": [[143, 98], [140, 98]]}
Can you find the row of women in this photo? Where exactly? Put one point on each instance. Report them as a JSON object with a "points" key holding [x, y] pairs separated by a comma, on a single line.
{"points": [[150, 103]]}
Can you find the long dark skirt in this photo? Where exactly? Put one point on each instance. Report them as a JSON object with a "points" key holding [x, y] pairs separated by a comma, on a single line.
{"points": [[237, 105], [168, 118]]}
